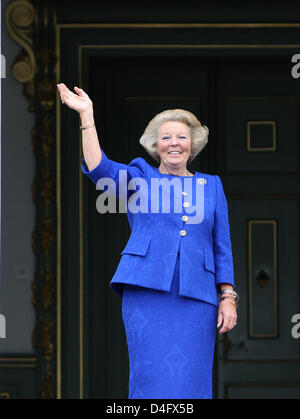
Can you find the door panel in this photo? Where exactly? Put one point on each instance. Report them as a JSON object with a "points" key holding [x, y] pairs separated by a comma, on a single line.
{"points": [[258, 126]]}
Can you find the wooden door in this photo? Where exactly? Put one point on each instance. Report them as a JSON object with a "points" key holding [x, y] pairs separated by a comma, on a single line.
{"points": [[258, 153], [254, 147]]}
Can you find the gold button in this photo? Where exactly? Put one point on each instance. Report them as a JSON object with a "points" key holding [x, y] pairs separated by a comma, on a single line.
{"points": [[186, 204], [185, 218], [184, 193], [182, 232]]}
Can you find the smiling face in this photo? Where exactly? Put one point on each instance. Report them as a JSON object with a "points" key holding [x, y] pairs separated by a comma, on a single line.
{"points": [[174, 145]]}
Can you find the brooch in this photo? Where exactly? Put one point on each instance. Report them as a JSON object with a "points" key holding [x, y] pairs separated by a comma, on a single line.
{"points": [[202, 181]]}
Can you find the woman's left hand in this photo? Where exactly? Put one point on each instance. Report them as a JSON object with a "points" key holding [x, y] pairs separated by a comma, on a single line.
{"points": [[227, 316]]}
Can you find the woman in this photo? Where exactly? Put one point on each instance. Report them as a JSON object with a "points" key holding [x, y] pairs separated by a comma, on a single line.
{"points": [[175, 262]]}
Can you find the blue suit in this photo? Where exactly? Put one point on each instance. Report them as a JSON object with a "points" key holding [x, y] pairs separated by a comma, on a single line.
{"points": [[150, 255]]}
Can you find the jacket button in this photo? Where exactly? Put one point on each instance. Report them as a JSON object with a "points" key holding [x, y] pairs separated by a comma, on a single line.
{"points": [[182, 232], [186, 204], [185, 218]]}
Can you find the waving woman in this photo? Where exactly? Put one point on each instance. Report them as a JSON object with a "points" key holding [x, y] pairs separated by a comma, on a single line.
{"points": [[175, 275]]}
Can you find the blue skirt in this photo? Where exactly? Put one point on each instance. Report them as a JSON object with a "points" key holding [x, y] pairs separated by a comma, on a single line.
{"points": [[170, 341]]}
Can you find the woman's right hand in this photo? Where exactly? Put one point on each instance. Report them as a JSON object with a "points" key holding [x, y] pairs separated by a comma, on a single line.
{"points": [[78, 101]]}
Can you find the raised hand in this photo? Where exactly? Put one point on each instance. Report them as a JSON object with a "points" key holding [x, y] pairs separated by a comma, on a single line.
{"points": [[78, 101]]}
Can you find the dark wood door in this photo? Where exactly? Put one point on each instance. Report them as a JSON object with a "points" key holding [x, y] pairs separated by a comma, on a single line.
{"points": [[258, 145], [253, 146]]}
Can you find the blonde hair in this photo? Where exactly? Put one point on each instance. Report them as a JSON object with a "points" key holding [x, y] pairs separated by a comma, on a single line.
{"points": [[199, 132]]}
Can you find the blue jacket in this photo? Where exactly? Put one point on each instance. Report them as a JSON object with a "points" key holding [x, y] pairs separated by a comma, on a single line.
{"points": [[149, 256]]}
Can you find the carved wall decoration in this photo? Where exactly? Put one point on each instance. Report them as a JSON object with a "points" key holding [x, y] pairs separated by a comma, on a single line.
{"points": [[20, 21], [28, 24]]}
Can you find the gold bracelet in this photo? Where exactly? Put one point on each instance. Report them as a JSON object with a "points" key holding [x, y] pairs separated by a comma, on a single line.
{"points": [[89, 126], [227, 298], [230, 300], [233, 303]]}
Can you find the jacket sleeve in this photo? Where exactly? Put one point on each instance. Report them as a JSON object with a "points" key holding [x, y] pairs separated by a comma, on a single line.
{"points": [[108, 168], [221, 238]]}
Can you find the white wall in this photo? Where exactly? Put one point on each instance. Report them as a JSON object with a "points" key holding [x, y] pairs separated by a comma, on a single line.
{"points": [[17, 211]]}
